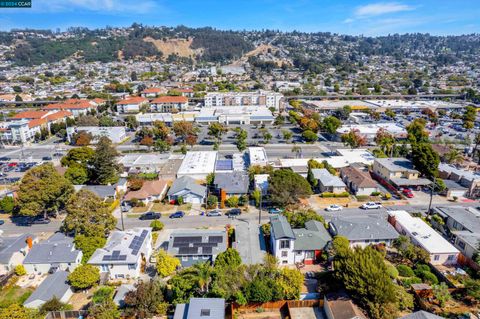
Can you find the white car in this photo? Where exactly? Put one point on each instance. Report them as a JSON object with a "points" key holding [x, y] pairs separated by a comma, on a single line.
{"points": [[371, 205], [334, 208]]}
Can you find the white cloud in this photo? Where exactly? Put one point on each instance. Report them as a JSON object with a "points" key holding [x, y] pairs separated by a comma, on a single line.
{"points": [[380, 8], [98, 6]]}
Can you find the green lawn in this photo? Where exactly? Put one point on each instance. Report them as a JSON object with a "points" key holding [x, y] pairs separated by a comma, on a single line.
{"points": [[14, 294]]}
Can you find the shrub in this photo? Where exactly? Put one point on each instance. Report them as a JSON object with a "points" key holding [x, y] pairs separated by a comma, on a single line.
{"points": [[135, 184], [232, 201], [327, 195], [102, 294], [392, 271], [407, 282], [20, 270], [429, 278], [180, 200], [421, 268], [212, 201], [343, 194], [84, 277], [362, 198], [375, 194], [156, 225], [405, 271]]}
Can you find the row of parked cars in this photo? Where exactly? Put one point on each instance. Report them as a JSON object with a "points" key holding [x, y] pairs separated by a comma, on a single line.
{"points": [[366, 206], [180, 214]]}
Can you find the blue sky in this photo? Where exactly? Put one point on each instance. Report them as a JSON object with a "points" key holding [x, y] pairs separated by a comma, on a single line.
{"points": [[341, 16]]}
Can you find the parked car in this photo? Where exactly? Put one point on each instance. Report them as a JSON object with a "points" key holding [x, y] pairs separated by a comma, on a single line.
{"points": [[334, 208], [40, 221], [275, 210], [150, 215], [46, 158], [234, 212], [213, 213], [2, 222], [371, 205], [178, 214], [407, 192]]}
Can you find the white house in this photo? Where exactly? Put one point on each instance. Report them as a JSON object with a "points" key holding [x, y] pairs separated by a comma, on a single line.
{"points": [[421, 234], [131, 104], [13, 251], [169, 104], [125, 253], [188, 189], [328, 182], [57, 252], [292, 246]]}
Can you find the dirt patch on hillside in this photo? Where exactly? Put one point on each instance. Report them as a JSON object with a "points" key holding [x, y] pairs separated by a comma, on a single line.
{"points": [[181, 47]]}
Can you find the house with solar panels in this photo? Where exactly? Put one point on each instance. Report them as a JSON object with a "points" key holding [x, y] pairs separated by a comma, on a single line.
{"points": [[196, 246], [125, 253]]}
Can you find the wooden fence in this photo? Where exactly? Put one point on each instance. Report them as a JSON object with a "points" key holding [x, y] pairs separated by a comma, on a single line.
{"points": [[283, 306]]}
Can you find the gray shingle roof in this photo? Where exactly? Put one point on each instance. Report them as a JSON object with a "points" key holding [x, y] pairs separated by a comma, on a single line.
{"points": [[11, 245], [232, 183], [363, 228], [327, 179], [197, 242], [421, 315], [55, 285], [469, 217], [280, 227], [208, 308], [187, 183], [102, 191], [397, 164], [57, 249], [313, 237]]}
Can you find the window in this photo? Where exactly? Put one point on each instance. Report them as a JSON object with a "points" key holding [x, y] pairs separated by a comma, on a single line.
{"points": [[450, 257], [104, 268], [132, 266], [461, 244], [205, 313], [309, 254], [436, 257], [284, 253], [184, 258], [284, 262], [284, 244], [299, 253]]}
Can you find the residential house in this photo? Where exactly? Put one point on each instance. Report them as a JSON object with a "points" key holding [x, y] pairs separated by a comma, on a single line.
{"points": [[341, 306], [150, 191], [56, 253], [143, 163], [465, 178], [328, 182], [125, 254], [13, 251], [232, 184], [358, 181], [196, 246], [421, 314], [54, 286], [399, 172], [421, 234], [75, 106], [188, 189], [152, 92], [292, 246], [463, 225], [169, 104], [363, 230], [204, 308], [103, 191], [187, 92], [131, 104]]}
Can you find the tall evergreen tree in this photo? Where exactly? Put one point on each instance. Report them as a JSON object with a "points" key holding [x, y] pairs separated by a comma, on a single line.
{"points": [[104, 169]]}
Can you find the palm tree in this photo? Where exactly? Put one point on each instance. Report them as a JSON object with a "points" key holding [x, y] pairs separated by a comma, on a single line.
{"points": [[297, 150], [201, 274], [454, 156]]}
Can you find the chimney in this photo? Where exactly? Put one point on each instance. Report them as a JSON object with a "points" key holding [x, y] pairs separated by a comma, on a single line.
{"points": [[391, 219], [29, 242]]}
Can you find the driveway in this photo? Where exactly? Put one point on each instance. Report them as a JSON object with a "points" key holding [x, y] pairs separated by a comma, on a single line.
{"points": [[249, 242]]}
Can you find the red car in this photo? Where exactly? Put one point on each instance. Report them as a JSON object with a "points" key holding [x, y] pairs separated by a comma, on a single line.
{"points": [[408, 193]]}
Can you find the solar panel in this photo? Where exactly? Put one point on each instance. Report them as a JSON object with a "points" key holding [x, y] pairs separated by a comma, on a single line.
{"points": [[205, 244], [188, 250], [206, 250], [224, 165], [188, 239], [215, 239], [106, 258], [115, 253], [135, 251], [183, 244]]}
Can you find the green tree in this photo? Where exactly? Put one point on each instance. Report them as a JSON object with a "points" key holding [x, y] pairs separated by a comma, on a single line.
{"points": [[212, 201], [298, 219], [425, 159], [311, 179], [260, 290], [20, 270], [309, 136], [229, 258], [469, 116], [216, 130], [161, 146], [385, 140], [157, 225], [147, 300], [391, 114], [256, 195], [290, 282], [341, 245], [166, 264], [104, 169], [330, 124], [286, 187], [102, 294], [7, 204], [104, 310], [202, 275], [441, 293], [267, 137], [43, 190], [84, 277], [416, 131], [77, 174], [87, 214], [54, 305], [79, 155], [131, 122], [232, 201], [15, 311], [370, 283], [287, 135], [88, 245]]}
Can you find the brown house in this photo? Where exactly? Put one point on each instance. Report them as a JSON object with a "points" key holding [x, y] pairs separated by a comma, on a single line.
{"points": [[358, 182], [150, 191]]}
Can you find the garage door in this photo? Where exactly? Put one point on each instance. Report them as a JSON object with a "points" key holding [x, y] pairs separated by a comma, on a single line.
{"points": [[193, 200]]}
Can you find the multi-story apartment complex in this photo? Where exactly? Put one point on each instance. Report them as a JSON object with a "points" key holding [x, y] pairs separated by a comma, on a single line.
{"points": [[169, 104], [260, 98]]}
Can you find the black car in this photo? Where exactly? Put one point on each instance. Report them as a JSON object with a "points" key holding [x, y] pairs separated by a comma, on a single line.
{"points": [[2, 222], [46, 158], [40, 221], [234, 212], [150, 215]]}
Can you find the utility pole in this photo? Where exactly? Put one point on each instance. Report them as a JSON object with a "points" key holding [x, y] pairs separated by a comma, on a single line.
{"points": [[260, 209], [431, 196], [121, 217]]}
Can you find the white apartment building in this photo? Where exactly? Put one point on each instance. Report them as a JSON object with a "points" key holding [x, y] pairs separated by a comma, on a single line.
{"points": [[168, 104], [260, 98], [421, 234], [131, 104]]}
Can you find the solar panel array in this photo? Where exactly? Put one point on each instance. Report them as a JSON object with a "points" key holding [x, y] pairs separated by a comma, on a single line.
{"points": [[115, 256], [194, 245], [224, 165], [137, 242]]}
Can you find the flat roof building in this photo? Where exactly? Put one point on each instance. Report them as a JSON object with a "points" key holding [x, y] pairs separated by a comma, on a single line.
{"points": [[198, 164], [257, 156]]}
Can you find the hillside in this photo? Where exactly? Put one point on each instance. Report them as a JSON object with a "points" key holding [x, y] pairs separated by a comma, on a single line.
{"points": [[180, 47]]}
